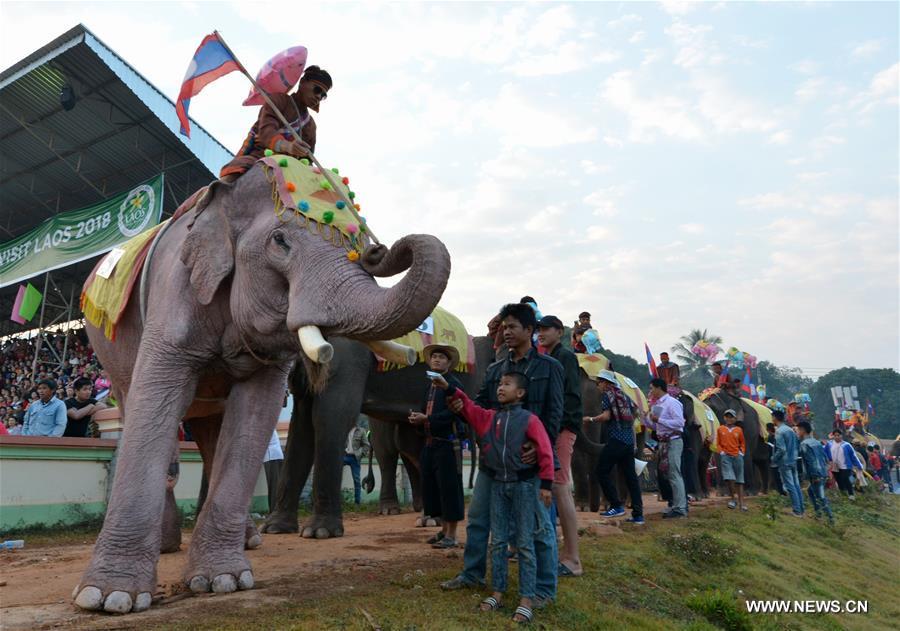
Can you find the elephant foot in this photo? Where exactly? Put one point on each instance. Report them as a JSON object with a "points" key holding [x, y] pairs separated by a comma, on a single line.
{"points": [[425, 521], [323, 527], [252, 538], [116, 584], [280, 523], [391, 508], [218, 572]]}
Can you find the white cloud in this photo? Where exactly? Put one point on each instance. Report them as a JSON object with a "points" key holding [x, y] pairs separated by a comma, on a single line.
{"points": [[605, 201], [810, 89], [673, 7], [692, 228], [638, 37], [695, 48], [648, 115], [569, 57], [630, 18], [867, 48], [805, 66], [592, 168], [781, 137]]}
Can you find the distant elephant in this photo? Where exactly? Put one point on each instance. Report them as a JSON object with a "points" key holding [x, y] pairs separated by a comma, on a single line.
{"points": [[757, 458], [321, 421], [233, 292]]}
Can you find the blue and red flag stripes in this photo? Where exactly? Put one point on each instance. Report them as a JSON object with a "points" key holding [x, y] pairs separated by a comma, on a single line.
{"points": [[747, 384], [650, 363], [211, 61]]}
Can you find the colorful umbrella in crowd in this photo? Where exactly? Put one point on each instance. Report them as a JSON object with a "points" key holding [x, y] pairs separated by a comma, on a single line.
{"points": [[279, 74]]}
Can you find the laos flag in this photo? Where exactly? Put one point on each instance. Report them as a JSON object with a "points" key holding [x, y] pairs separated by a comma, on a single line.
{"points": [[211, 61]]}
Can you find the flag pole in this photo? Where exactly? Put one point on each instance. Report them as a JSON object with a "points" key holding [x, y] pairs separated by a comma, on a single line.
{"points": [[327, 173]]}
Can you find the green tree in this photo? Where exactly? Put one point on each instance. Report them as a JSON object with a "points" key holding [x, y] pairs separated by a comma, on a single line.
{"points": [[690, 362], [880, 386]]}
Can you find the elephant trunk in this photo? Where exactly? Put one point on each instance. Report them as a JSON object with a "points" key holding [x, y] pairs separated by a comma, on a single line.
{"points": [[349, 303]]}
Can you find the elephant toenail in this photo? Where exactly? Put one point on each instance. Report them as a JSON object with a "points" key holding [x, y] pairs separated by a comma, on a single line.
{"points": [[199, 585], [118, 602], [224, 584], [90, 598], [245, 580], [142, 603]]}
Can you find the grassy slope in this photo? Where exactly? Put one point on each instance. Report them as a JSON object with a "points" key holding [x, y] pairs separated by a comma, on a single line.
{"points": [[644, 579]]}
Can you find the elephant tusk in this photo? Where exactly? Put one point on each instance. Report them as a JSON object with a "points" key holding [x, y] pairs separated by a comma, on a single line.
{"points": [[314, 345], [393, 352]]}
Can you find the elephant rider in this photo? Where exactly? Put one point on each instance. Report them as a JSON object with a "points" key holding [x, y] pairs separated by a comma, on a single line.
{"points": [[269, 133]]}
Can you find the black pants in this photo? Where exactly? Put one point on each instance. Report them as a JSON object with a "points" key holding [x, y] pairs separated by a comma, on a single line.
{"points": [[442, 492], [273, 470], [618, 453], [689, 469], [842, 478]]}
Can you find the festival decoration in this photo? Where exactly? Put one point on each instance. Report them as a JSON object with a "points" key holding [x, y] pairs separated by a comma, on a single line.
{"points": [[591, 341], [279, 74], [761, 392], [775, 404], [802, 397], [739, 359], [706, 350]]}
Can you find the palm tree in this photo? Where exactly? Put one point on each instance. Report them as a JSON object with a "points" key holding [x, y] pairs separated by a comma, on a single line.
{"points": [[689, 361]]}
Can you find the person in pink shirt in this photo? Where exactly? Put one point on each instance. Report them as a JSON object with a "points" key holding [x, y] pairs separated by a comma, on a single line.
{"points": [[501, 435]]}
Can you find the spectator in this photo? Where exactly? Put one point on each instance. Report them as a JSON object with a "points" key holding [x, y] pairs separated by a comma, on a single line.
{"points": [[440, 464], [843, 461], [12, 426], [272, 462], [773, 468], [102, 383], [545, 400], [618, 411], [584, 319], [732, 448], [785, 457], [356, 450], [667, 418], [513, 496], [884, 471], [815, 465], [47, 415], [80, 409], [668, 371], [577, 333], [717, 372], [550, 331]]}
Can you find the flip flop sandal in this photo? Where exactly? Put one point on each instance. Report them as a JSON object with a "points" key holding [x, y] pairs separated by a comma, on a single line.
{"points": [[564, 572], [434, 539], [445, 543], [526, 613], [491, 602], [732, 504]]}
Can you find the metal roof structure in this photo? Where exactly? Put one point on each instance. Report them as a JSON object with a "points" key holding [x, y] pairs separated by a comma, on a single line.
{"points": [[121, 131]]}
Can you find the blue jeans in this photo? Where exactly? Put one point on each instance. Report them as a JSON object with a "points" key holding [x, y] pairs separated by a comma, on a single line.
{"points": [[791, 483], [513, 503], [350, 459], [816, 493], [545, 548]]}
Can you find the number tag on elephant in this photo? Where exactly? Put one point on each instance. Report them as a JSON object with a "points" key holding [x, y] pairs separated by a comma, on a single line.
{"points": [[427, 326], [109, 263], [710, 416], [630, 383]]}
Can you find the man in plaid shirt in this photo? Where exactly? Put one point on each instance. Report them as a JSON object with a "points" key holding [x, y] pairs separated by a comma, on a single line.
{"points": [[617, 410]]}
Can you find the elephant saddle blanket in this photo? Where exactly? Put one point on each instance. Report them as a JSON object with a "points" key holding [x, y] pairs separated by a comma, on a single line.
{"points": [[106, 291], [441, 327]]}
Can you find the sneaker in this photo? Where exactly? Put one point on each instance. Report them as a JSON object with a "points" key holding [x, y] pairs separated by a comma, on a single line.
{"points": [[732, 504], [437, 537], [458, 582], [445, 543], [852, 498], [614, 512], [635, 520], [673, 515], [796, 514]]}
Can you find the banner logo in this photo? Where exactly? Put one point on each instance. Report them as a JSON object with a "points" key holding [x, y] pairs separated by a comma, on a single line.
{"points": [[136, 210]]}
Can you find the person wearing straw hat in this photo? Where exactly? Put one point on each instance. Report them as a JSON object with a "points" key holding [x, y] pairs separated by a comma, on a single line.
{"points": [[270, 133], [441, 459], [618, 411]]}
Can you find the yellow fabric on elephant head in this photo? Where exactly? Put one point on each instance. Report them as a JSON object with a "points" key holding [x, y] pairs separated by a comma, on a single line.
{"points": [[302, 189], [709, 424], [762, 412], [441, 327], [103, 300], [592, 363]]}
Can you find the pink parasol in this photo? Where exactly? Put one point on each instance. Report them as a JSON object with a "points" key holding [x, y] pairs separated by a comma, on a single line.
{"points": [[279, 74]]}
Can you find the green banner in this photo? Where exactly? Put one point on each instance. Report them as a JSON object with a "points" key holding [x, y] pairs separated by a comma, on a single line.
{"points": [[80, 234]]}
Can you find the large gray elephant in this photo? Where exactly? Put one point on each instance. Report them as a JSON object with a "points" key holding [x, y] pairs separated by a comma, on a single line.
{"points": [[757, 458], [233, 292], [320, 423]]}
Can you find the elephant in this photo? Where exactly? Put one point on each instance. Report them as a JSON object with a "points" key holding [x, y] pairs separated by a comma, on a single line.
{"points": [[231, 294], [757, 458], [320, 423]]}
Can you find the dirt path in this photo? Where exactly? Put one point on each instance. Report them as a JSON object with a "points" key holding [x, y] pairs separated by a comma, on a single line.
{"points": [[36, 583]]}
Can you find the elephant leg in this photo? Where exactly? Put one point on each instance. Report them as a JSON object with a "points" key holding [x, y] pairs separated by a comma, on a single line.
{"points": [[121, 575], [410, 444], [594, 492], [386, 451], [216, 560], [580, 479], [299, 455]]}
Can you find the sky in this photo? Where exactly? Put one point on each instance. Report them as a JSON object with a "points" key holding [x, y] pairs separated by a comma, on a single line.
{"points": [[664, 166]]}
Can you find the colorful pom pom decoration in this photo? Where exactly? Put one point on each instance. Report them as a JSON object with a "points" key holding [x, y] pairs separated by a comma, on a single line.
{"points": [[290, 186], [351, 195], [335, 171], [351, 228], [304, 161], [340, 204], [328, 216], [303, 205], [345, 180], [357, 207], [325, 185], [353, 255], [268, 152], [283, 162]]}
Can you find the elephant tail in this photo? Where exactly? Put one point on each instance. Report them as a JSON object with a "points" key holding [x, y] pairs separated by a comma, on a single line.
{"points": [[586, 445]]}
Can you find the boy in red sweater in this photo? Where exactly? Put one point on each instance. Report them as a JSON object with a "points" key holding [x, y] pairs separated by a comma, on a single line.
{"points": [[501, 435]]}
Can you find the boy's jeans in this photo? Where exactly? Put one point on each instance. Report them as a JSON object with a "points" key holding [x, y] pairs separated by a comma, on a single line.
{"points": [[791, 483], [545, 547], [513, 503], [816, 493]]}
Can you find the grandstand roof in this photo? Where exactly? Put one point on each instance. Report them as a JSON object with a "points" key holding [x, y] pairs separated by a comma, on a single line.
{"points": [[121, 131]]}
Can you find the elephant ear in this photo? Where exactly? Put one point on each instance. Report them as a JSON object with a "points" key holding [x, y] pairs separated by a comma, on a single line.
{"points": [[208, 250]]}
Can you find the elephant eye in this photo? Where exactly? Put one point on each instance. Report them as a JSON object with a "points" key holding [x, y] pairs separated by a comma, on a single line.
{"points": [[278, 238]]}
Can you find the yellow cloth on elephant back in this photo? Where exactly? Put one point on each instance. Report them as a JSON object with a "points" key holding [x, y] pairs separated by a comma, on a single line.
{"points": [[709, 424], [441, 327], [302, 189], [103, 300], [763, 413], [592, 363]]}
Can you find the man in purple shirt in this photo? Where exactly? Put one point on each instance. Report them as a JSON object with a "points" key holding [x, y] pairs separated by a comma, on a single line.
{"points": [[667, 418]]}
